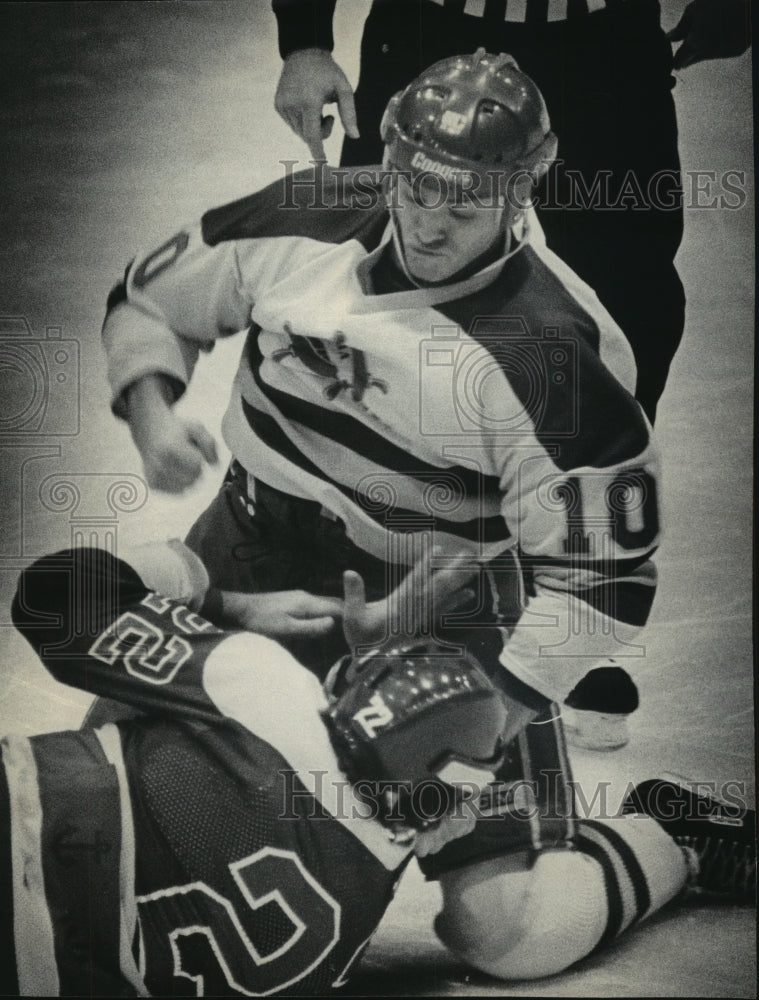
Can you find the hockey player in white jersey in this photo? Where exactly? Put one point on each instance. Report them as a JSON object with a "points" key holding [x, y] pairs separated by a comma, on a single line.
{"points": [[417, 363]]}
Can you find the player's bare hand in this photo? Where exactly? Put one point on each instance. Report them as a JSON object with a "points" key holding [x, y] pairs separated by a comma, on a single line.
{"points": [[411, 609], [711, 29], [310, 79], [174, 453], [173, 450], [287, 614]]}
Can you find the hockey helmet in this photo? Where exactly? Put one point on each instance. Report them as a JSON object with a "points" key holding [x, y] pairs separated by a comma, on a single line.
{"points": [[416, 722], [470, 114]]}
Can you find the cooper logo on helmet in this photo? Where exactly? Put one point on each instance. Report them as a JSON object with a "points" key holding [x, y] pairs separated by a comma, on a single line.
{"points": [[422, 162]]}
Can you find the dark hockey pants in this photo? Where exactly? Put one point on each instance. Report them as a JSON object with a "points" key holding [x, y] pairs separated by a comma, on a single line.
{"points": [[291, 544]]}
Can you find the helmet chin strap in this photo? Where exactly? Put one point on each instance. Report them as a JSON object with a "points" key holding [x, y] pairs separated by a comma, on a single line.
{"points": [[400, 254], [389, 169]]}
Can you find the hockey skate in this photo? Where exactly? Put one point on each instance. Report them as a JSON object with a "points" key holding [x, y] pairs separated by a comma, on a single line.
{"points": [[720, 836], [596, 711]]}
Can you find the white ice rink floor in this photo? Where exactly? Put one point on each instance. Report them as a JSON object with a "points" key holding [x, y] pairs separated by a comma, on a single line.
{"points": [[122, 120]]}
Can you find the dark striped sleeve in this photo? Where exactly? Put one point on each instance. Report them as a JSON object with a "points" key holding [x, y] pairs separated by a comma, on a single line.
{"points": [[97, 627]]}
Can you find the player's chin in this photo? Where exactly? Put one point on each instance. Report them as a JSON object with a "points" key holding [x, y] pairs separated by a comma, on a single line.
{"points": [[429, 268]]}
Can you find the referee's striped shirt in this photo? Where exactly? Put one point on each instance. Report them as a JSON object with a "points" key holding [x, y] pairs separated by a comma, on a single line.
{"points": [[526, 10], [308, 23]]}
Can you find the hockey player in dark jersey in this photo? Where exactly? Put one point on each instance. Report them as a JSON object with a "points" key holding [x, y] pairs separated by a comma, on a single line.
{"points": [[244, 835], [214, 844], [417, 363]]}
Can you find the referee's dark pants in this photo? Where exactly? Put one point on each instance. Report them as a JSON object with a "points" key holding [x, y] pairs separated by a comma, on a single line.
{"points": [[611, 207]]}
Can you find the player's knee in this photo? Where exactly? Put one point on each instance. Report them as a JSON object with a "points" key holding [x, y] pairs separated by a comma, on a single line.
{"points": [[529, 924]]}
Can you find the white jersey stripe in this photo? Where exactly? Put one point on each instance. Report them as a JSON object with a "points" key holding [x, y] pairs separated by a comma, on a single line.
{"points": [[110, 741], [368, 533], [360, 471], [33, 930]]}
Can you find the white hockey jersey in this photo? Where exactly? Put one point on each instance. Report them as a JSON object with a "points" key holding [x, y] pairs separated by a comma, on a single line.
{"points": [[494, 412]]}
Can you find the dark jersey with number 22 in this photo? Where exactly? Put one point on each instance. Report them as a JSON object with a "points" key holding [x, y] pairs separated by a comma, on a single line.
{"points": [[211, 846]]}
